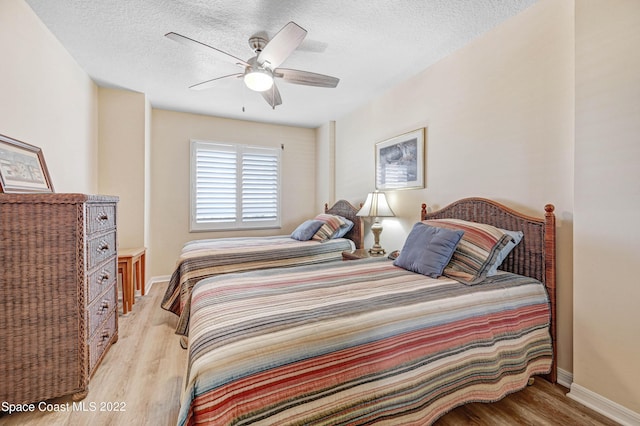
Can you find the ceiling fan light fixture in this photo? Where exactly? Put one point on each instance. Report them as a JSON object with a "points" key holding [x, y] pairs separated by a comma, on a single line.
{"points": [[258, 80]]}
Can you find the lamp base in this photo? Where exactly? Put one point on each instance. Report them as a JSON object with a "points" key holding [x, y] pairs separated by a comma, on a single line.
{"points": [[377, 249]]}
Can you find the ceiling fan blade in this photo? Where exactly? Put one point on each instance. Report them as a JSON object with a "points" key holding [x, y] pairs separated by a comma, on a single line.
{"points": [[272, 96], [306, 78], [210, 83], [223, 56], [281, 45]]}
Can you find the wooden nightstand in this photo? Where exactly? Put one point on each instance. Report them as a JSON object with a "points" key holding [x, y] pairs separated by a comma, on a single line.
{"points": [[131, 264], [358, 254]]}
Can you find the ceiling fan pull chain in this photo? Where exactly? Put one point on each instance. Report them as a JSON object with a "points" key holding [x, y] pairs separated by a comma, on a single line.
{"points": [[243, 90]]}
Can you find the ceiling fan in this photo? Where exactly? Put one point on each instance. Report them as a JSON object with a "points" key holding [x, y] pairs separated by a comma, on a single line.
{"points": [[261, 70]]}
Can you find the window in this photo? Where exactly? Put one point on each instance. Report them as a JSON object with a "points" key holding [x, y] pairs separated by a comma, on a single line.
{"points": [[234, 186]]}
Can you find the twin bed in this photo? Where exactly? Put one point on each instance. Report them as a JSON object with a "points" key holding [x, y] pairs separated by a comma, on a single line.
{"points": [[208, 258], [360, 342]]}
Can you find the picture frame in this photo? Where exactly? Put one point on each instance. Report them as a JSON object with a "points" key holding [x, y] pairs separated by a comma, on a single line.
{"points": [[22, 167], [400, 161]]}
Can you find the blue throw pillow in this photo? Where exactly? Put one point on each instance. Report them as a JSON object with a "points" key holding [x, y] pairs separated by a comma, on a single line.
{"points": [[306, 230], [428, 249]]}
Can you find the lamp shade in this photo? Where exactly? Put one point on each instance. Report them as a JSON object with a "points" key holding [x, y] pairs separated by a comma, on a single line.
{"points": [[376, 205]]}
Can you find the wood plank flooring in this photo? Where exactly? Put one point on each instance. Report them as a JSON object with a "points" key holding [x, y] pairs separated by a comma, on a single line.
{"points": [[143, 372]]}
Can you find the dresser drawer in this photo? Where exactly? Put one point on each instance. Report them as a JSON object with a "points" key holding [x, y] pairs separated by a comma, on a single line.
{"points": [[100, 309], [100, 341], [102, 278], [100, 217], [100, 249]]}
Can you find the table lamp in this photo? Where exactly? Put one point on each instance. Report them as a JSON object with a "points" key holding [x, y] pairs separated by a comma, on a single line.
{"points": [[376, 206]]}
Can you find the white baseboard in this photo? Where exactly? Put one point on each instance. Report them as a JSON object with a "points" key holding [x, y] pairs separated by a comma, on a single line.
{"points": [[604, 406], [159, 279], [565, 378]]}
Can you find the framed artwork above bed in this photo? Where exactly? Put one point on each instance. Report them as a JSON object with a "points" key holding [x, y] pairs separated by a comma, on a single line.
{"points": [[400, 162], [22, 167]]}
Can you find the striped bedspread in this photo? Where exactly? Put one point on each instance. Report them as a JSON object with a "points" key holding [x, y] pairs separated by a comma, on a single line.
{"points": [[356, 343], [207, 258]]}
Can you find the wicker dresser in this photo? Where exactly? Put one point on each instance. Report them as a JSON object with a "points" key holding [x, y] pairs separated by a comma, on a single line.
{"points": [[58, 292]]}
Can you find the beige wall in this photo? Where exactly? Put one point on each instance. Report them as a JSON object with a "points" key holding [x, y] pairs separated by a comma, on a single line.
{"points": [[499, 115], [122, 152], [325, 165], [171, 133], [147, 176], [607, 201], [47, 99]]}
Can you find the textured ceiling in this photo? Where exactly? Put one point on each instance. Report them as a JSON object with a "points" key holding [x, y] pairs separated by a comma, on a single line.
{"points": [[370, 45]]}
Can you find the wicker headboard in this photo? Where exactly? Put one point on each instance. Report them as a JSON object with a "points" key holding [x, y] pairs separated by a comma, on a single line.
{"points": [[347, 210], [534, 257]]}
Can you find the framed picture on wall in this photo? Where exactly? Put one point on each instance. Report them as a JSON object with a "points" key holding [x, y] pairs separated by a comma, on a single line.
{"points": [[400, 161], [22, 167]]}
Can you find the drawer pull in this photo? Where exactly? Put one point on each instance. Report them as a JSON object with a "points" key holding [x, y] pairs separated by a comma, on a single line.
{"points": [[105, 276], [104, 306], [104, 338], [102, 217], [104, 246]]}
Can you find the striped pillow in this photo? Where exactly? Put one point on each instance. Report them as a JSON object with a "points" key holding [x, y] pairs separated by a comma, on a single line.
{"points": [[476, 252], [330, 227]]}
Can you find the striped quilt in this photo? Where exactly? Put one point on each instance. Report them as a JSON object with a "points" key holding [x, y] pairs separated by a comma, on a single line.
{"points": [[357, 343], [207, 258]]}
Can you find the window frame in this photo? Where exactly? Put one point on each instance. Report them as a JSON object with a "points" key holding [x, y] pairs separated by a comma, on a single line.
{"points": [[239, 224]]}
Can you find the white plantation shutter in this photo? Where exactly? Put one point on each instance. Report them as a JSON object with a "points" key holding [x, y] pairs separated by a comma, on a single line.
{"points": [[234, 186], [260, 184], [215, 189]]}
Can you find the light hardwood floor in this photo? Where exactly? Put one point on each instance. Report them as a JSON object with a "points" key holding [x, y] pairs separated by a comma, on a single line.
{"points": [[144, 371]]}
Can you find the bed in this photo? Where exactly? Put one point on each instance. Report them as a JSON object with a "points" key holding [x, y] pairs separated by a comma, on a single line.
{"points": [[366, 341], [201, 259]]}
